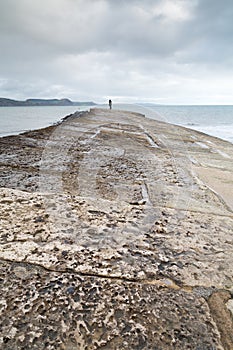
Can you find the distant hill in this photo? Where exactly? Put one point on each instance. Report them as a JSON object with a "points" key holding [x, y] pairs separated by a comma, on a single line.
{"points": [[6, 102]]}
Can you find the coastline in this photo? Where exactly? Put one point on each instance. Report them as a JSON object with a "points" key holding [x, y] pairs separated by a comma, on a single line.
{"points": [[115, 218], [17, 120], [148, 111], [212, 120]]}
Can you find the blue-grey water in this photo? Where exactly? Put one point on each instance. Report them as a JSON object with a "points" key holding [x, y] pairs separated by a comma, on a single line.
{"points": [[212, 120], [15, 120]]}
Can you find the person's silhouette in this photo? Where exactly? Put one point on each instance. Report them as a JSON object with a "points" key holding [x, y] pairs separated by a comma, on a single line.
{"points": [[110, 104]]}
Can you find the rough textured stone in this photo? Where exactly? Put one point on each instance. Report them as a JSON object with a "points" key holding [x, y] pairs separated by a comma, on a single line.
{"points": [[49, 310], [110, 239]]}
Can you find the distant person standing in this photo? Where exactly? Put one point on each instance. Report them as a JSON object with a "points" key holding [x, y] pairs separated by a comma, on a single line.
{"points": [[110, 104]]}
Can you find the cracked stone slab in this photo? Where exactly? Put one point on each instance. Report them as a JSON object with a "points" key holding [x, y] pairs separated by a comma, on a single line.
{"points": [[79, 312], [109, 205], [117, 240]]}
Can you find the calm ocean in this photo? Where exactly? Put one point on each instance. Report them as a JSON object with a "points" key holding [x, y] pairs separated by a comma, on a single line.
{"points": [[15, 120], [212, 120]]}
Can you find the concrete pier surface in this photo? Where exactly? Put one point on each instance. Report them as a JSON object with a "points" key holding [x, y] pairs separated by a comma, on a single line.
{"points": [[116, 233]]}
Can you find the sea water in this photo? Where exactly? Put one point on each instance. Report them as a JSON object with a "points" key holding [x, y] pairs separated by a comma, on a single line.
{"points": [[213, 120], [15, 120]]}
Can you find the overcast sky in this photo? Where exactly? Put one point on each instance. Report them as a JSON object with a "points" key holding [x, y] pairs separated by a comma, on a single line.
{"points": [[162, 51]]}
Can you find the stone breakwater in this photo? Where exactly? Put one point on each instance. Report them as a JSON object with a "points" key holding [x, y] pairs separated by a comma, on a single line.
{"points": [[116, 233]]}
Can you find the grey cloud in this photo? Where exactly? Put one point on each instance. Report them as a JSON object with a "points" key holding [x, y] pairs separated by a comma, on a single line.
{"points": [[123, 47], [80, 26], [212, 30]]}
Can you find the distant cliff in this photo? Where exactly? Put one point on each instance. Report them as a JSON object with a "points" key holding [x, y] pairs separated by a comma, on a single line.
{"points": [[6, 102]]}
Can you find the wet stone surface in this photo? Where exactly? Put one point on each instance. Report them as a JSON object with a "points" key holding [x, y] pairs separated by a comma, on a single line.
{"points": [[110, 240]]}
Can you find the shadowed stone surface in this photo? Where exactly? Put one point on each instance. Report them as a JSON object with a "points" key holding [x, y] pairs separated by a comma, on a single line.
{"points": [[110, 239]]}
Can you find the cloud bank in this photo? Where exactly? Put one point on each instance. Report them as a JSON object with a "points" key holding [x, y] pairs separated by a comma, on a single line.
{"points": [[164, 51]]}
